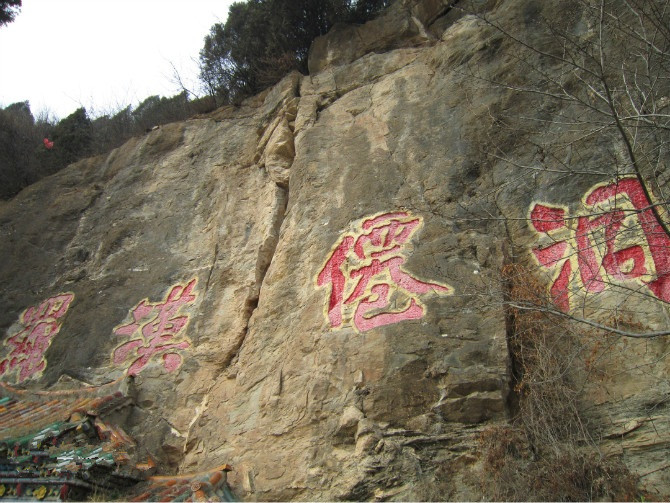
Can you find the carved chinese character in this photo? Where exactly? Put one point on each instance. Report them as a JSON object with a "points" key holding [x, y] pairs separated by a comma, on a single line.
{"points": [[654, 245], [40, 325], [157, 330], [366, 278], [617, 239], [550, 220]]}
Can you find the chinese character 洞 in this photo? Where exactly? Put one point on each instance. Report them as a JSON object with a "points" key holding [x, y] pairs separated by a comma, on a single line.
{"points": [[156, 330], [365, 275], [617, 239], [40, 325], [557, 255]]}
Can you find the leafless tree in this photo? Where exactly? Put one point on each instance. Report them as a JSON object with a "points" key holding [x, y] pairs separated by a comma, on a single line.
{"points": [[585, 117], [600, 74]]}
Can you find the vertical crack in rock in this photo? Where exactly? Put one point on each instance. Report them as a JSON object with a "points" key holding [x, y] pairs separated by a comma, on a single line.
{"points": [[276, 147], [267, 249], [274, 158], [211, 269], [514, 370], [199, 410], [275, 153], [263, 261]]}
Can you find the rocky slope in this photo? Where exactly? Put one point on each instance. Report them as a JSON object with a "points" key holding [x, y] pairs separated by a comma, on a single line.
{"points": [[310, 287]]}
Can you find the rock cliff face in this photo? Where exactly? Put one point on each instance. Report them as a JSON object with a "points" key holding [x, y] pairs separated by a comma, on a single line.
{"points": [[310, 287]]}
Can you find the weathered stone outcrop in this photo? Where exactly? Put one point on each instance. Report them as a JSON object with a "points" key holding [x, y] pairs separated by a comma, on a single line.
{"points": [[309, 286]]}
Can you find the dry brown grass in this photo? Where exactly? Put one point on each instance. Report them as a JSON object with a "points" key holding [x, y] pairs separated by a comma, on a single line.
{"points": [[548, 452], [516, 470]]}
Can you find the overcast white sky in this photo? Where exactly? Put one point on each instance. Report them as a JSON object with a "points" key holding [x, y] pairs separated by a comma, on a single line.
{"points": [[101, 54]]}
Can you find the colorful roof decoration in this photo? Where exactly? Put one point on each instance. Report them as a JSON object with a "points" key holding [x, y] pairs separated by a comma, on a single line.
{"points": [[204, 486], [58, 445]]}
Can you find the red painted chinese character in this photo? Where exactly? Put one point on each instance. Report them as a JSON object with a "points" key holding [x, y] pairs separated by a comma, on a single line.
{"points": [[589, 256], [365, 267], [597, 240], [657, 240], [156, 325], [546, 219], [40, 325]]}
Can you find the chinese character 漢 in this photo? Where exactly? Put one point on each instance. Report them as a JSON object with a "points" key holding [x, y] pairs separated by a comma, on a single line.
{"points": [[365, 274], [27, 347], [156, 329]]}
